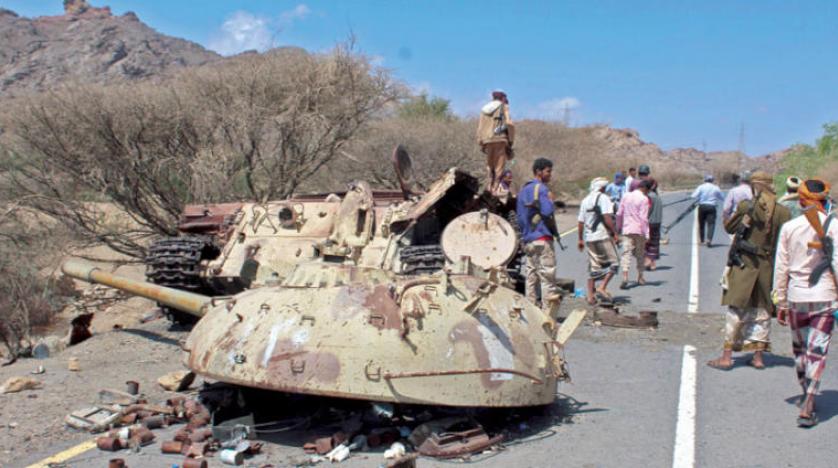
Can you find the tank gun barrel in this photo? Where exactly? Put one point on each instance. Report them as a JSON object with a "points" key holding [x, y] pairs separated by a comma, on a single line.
{"points": [[185, 301]]}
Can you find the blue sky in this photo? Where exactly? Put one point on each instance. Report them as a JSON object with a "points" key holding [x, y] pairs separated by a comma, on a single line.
{"points": [[683, 73]]}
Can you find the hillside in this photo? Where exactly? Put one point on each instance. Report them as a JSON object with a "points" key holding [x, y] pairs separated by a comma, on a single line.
{"points": [[89, 44], [86, 44]]}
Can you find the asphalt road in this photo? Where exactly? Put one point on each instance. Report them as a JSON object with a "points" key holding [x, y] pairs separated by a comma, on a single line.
{"points": [[634, 403]]}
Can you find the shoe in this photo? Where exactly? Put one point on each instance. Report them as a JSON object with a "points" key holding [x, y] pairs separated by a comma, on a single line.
{"points": [[624, 285], [809, 422]]}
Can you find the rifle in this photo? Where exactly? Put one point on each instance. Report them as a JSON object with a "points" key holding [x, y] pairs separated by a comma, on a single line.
{"points": [[680, 217], [824, 243], [739, 244], [536, 218], [676, 202]]}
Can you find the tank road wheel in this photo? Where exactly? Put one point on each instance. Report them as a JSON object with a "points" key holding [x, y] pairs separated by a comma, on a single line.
{"points": [[422, 259], [175, 262]]}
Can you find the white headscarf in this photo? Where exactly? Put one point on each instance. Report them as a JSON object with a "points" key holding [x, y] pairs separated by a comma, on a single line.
{"points": [[598, 183]]}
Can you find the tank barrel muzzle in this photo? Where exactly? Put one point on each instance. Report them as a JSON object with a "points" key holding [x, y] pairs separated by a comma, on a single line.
{"points": [[185, 301]]}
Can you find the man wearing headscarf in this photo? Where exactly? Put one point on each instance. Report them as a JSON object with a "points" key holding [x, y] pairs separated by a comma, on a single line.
{"points": [[495, 135], [791, 199], [708, 195], [747, 284], [598, 235], [805, 300]]}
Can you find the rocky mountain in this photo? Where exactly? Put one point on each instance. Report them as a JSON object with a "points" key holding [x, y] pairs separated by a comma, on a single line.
{"points": [[625, 144], [86, 44]]}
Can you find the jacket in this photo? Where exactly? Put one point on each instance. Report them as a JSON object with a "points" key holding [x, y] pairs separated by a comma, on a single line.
{"points": [[491, 116], [527, 208], [751, 285]]}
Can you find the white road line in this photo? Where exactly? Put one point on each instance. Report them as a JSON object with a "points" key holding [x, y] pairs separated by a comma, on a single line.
{"points": [[684, 454], [692, 305]]}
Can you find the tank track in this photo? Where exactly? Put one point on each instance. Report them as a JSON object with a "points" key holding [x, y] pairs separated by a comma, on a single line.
{"points": [[175, 262], [422, 259], [515, 268]]}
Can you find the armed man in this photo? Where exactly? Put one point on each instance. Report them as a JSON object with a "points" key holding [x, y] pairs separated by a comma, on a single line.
{"points": [[598, 234], [495, 135], [747, 282], [807, 290], [538, 227], [708, 195]]}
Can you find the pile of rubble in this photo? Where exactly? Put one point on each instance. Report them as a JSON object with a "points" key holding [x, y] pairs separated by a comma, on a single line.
{"points": [[129, 422], [406, 436], [224, 420]]}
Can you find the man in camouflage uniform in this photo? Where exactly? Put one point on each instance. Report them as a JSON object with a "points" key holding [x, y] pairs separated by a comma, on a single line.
{"points": [[495, 134], [538, 232], [748, 279]]}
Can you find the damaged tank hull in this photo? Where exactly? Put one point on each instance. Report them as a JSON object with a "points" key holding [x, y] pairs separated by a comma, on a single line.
{"points": [[446, 340]]}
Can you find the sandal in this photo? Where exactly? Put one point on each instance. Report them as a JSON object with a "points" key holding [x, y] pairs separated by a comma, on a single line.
{"points": [[761, 366], [809, 422], [715, 364]]}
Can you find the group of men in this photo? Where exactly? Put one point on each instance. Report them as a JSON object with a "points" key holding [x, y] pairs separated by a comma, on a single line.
{"points": [[781, 261], [627, 212]]}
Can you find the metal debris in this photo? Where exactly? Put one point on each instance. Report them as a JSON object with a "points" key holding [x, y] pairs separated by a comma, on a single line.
{"points": [[612, 317]]}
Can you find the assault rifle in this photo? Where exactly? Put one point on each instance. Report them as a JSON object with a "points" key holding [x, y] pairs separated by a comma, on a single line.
{"points": [[680, 217], [739, 244], [824, 243]]}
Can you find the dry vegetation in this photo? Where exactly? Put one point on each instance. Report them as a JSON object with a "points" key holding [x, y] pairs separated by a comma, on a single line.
{"points": [[255, 127]]}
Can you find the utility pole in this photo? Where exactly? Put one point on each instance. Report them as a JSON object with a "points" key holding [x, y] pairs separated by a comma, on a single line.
{"points": [[741, 148], [566, 114]]}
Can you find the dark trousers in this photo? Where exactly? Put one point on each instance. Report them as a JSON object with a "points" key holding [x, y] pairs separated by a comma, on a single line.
{"points": [[706, 217]]}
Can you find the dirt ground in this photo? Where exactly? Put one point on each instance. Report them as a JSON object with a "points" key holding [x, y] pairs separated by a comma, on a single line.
{"points": [[31, 421]]}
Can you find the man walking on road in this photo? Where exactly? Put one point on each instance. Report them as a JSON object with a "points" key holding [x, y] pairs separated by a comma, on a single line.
{"points": [[495, 135], [633, 223], [598, 235], [615, 190], [538, 227], [737, 195], [709, 196], [748, 280], [804, 281]]}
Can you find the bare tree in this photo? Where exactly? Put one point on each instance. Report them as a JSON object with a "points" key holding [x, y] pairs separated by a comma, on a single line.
{"points": [[254, 127]]}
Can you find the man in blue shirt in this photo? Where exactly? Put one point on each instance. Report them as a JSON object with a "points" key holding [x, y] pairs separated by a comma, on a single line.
{"points": [[709, 195], [538, 230], [615, 190]]}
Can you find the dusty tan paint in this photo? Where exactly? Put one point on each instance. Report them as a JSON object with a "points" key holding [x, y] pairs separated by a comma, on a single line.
{"points": [[330, 312], [181, 300], [487, 239]]}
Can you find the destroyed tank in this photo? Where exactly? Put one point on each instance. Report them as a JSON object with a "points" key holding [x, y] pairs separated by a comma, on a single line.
{"points": [[226, 248], [395, 297]]}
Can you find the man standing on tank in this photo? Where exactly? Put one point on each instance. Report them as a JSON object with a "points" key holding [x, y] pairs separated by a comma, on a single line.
{"points": [[495, 135], [534, 210]]}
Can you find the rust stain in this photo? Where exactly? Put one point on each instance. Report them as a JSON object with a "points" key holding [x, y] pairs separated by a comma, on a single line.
{"points": [[379, 301], [468, 332], [322, 366]]}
